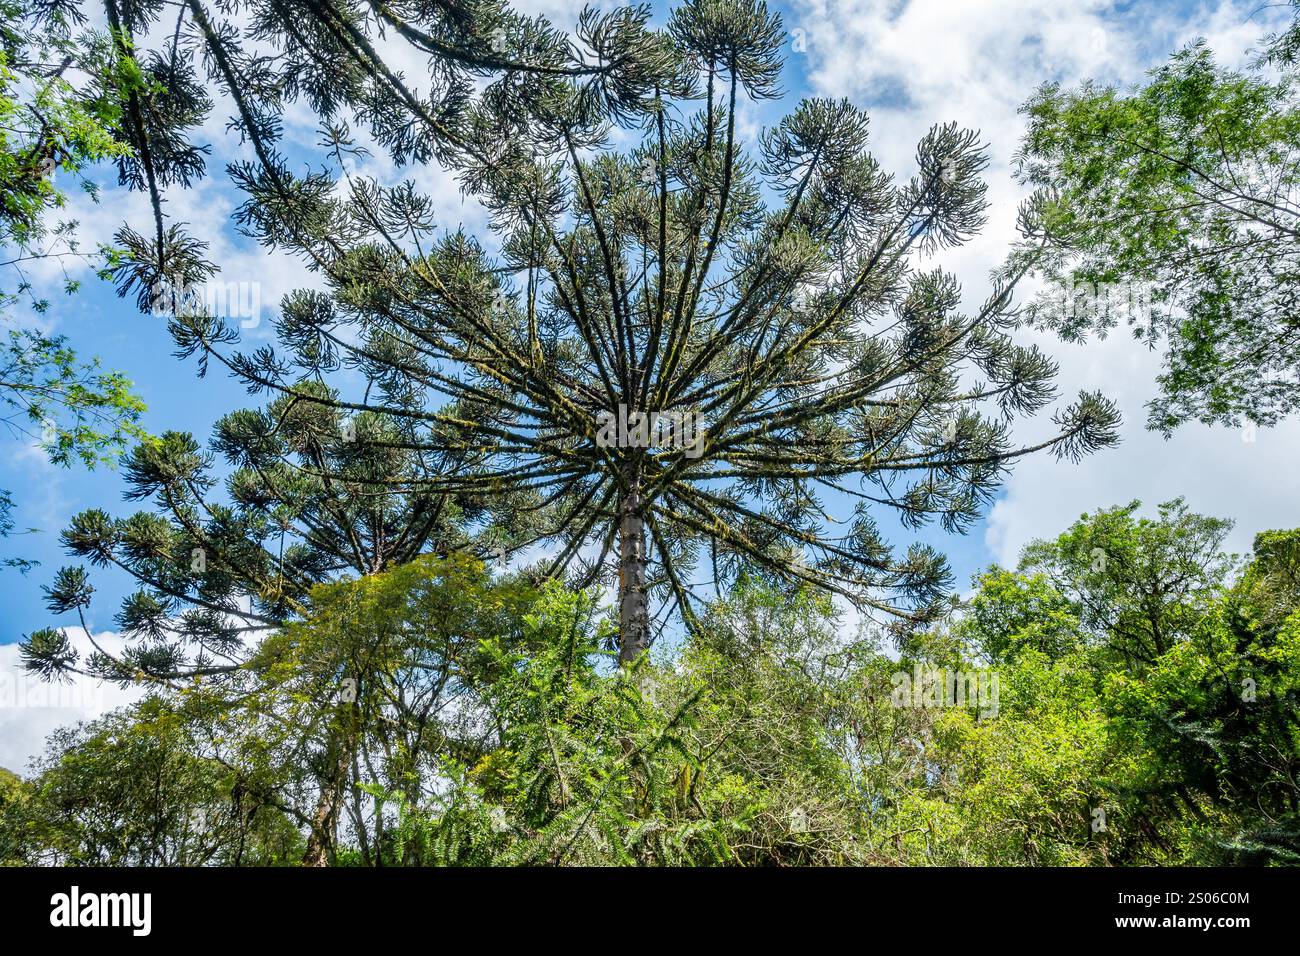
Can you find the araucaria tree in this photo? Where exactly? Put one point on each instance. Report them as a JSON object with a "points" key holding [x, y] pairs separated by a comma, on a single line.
{"points": [[773, 298], [313, 489], [306, 504]]}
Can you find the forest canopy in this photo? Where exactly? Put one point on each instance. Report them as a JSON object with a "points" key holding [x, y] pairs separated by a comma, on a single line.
{"points": [[466, 719], [612, 532]]}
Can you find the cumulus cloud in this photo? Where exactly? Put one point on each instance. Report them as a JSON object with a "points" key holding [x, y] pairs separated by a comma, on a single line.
{"points": [[32, 709], [1248, 475], [919, 62]]}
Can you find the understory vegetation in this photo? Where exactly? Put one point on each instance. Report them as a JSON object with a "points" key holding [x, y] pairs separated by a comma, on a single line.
{"points": [[1142, 711]]}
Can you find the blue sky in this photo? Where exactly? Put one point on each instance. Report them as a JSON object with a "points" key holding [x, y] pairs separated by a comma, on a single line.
{"points": [[911, 63]]}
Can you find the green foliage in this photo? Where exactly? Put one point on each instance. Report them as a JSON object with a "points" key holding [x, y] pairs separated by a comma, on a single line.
{"points": [[487, 715], [75, 410], [719, 757], [1175, 683], [1184, 186], [1139, 585], [52, 127], [48, 125], [1016, 789], [132, 790], [434, 714], [13, 797]]}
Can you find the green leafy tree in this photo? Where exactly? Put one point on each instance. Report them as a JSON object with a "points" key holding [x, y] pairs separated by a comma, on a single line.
{"points": [[492, 728], [1173, 207], [304, 503], [13, 794], [796, 744], [1137, 585], [393, 667], [456, 718], [131, 789], [1168, 666], [1022, 787], [53, 127], [1219, 714], [436, 714]]}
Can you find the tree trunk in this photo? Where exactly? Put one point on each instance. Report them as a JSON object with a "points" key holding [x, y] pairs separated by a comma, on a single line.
{"points": [[325, 821], [633, 606], [324, 824]]}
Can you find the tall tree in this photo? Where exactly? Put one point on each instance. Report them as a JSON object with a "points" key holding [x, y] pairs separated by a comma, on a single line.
{"points": [[770, 304], [305, 502], [1138, 585], [1173, 207], [313, 492]]}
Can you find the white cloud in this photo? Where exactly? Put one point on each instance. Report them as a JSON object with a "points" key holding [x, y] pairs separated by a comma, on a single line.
{"points": [[1220, 471], [913, 64], [31, 709]]}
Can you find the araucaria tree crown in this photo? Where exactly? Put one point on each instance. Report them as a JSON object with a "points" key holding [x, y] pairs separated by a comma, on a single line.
{"points": [[681, 351]]}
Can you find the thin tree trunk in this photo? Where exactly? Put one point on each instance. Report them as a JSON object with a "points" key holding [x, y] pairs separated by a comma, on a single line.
{"points": [[324, 824], [634, 607], [325, 821]]}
